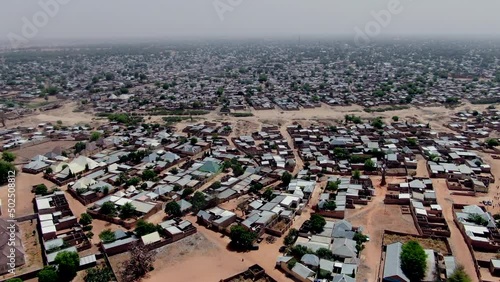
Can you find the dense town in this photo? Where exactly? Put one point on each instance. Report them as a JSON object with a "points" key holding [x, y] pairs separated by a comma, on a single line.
{"points": [[248, 161]]}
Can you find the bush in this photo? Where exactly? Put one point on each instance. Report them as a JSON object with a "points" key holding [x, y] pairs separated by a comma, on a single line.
{"points": [[107, 236], [8, 156], [98, 274], [459, 275], [413, 261], [286, 177]]}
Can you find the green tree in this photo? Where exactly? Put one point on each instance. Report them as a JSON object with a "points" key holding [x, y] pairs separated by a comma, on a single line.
{"points": [[41, 189], [356, 174], [241, 237], [324, 253], [413, 261], [107, 236], [143, 227], [286, 177], [395, 118], [330, 205], [80, 146], [48, 274], [198, 201], [15, 280], [492, 142], [108, 208], [317, 223], [95, 136], [8, 156], [85, 219], [291, 237], [459, 275], [67, 264], [332, 185], [186, 192], [268, 194], [6, 171], [127, 211], [148, 174], [369, 165], [173, 208], [98, 274]]}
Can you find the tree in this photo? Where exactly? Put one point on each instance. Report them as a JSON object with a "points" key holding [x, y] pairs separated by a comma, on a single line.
{"points": [[286, 177], [107, 236], [148, 174], [395, 118], [413, 261], [356, 174], [67, 264], [95, 136], [369, 165], [140, 262], [85, 219], [193, 141], [268, 194], [332, 185], [291, 237], [298, 251], [173, 208], [378, 123], [98, 274], [324, 253], [127, 211], [241, 237], [108, 208], [8, 156], [198, 201], [317, 223], [6, 170], [459, 275], [49, 170], [330, 206], [186, 192], [15, 280], [492, 142], [48, 274], [41, 189], [80, 146], [144, 228]]}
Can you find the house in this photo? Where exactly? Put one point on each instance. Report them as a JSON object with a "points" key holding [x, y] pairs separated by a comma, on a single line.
{"points": [[10, 232], [392, 266]]}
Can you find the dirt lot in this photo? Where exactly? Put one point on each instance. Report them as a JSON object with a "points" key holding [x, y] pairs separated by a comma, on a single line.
{"points": [[25, 154], [375, 218]]}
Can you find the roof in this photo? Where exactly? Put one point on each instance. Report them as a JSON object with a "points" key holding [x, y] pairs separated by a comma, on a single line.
{"points": [[392, 268], [302, 270], [310, 259], [151, 238]]}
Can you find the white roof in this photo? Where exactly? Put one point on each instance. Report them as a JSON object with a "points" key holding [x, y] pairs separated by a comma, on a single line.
{"points": [[151, 238]]}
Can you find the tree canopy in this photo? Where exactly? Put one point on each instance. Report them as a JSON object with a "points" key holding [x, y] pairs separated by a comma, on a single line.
{"points": [[127, 211], [85, 219], [5, 168], [67, 265], [173, 208], [286, 177], [48, 274], [413, 261], [108, 208], [317, 223], [143, 228], [107, 236], [241, 237]]}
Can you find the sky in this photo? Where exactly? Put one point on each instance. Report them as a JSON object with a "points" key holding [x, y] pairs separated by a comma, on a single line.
{"points": [[108, 19]]}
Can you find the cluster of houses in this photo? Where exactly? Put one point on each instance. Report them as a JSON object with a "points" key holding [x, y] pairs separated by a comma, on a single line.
{"points": [[338, 238]]}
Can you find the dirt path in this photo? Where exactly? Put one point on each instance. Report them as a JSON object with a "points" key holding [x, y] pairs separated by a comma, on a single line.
{"points": [[457, 242]]}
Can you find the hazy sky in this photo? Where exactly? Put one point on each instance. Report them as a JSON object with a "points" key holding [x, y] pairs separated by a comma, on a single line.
{"points": [[194, 18]]}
